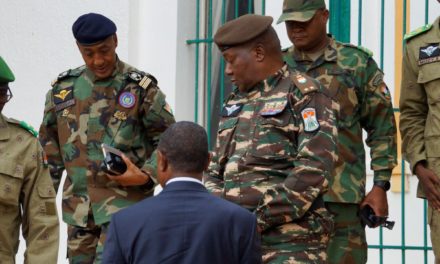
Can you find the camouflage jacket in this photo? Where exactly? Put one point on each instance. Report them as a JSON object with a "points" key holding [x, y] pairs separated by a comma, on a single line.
{"points": [[126, 111], [27, 197], [419, 98], [275, 145], [354, 80]]}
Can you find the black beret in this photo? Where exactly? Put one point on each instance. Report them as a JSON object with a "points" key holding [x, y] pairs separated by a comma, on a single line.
{"points": [[241, 30], [92, 28]]}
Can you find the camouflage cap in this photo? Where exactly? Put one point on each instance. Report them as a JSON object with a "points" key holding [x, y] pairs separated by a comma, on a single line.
{"points": [[300, 10], [6, 74], [241, 30]]}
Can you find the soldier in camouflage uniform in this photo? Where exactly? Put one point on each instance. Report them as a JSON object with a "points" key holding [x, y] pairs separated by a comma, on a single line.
{"points": [[105, 101], [419, 118], [275, 144], [27, 196], [353, 79]]}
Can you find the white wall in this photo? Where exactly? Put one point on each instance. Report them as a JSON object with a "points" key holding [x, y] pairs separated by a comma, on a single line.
{"points": [[37, 43]]}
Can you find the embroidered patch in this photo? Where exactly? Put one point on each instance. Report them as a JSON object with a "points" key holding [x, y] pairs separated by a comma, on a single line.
{"points": [[63, 95], [231, 110], [428, 54], [309, 118], [64, 105], [127, 100], [273, 108]]}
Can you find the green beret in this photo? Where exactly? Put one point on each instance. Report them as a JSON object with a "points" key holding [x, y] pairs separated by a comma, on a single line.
{"points": [[241, 30], [6, 74]]}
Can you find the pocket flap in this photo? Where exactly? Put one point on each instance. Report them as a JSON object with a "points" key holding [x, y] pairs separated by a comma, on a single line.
{"points": [[11, 168], [46, 191], [428, 72], [228, 123]]}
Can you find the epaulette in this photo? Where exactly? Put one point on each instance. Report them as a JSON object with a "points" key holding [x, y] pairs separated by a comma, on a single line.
{"points": [[363, 49], [417, 31], [24, 125], [304, 83], [143, 79], [69, 73]]}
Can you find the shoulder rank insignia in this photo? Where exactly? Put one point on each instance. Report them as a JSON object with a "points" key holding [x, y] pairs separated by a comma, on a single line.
{"points": [[417, 31], [28, 128], [304, 83], [363, 49], [309, 119], [70, 72], [231, 110], [143, 80]]}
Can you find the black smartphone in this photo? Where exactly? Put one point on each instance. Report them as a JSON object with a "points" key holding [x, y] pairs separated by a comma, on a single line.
{"points": [[113, 163]]}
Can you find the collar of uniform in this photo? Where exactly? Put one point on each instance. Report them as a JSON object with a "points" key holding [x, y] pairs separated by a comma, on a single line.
{"points": [[434, 38], [330, 52], [267, 84], [119, 67], [4, 131]]}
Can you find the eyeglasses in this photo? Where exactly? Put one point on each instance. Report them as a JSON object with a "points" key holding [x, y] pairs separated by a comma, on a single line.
{"points": [[5, 95]]}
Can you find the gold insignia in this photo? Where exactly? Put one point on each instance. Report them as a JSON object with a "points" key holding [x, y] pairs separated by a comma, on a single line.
{"points": [[62, 95], [65, 113], [120, 115]]}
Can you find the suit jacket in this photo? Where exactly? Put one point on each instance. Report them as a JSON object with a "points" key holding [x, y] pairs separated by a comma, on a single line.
{"points": [[183, 224]]}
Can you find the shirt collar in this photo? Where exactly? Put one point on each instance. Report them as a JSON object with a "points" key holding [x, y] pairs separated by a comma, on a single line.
{"points": [[4, 132], [181, 179], [330, 52]]}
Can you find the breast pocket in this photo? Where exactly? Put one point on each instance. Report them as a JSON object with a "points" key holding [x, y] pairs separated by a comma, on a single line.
{"points": [[274, 137], [342, 88], [225, 135], [11, 179], [429, 77]]}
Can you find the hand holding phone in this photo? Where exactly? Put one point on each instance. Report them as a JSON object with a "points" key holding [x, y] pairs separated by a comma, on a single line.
{"points": [[113, 163]]}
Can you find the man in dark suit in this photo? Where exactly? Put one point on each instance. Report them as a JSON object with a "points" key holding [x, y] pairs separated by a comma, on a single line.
{"points": [[184, 223]]}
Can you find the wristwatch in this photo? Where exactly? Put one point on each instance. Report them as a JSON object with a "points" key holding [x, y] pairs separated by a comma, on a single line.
{"points": [[385, 185]]}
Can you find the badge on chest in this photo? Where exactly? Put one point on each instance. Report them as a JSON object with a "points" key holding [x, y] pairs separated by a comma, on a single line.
{"points": [[63, 98], [273, 108], [428, 54], [231, 110]]}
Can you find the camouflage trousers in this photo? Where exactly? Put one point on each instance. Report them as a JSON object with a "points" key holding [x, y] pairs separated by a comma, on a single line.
{"points": [[348, 242], [86, 244], [303, 241], [434, 224]]}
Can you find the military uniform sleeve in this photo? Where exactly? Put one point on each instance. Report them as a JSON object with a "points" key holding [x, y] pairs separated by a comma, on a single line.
{"points": [[40, 218], [213, 178], [157, 117], [377, 118], [313, 164], [413, 111], [48, 136]]}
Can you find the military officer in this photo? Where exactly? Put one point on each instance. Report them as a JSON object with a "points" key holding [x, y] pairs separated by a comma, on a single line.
{"points": [[419, 118], [27, 196], [275, 144], [104, 101], [353, 79]]}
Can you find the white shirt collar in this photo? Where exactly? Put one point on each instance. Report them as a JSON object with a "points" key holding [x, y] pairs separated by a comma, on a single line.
{"points": [[183, 179]]}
